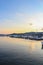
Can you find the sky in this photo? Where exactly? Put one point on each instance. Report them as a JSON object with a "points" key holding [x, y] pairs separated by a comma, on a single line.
{"points": [[18, 16]]}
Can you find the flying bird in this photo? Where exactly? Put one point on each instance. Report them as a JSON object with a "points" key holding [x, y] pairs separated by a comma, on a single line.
{"points": [[30, 24]]}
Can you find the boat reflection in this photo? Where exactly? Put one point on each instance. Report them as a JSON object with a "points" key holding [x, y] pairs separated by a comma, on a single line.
{"points": [[42, 45]]}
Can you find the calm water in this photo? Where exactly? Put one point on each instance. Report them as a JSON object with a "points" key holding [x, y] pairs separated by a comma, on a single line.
{"points": [[15, 51]]}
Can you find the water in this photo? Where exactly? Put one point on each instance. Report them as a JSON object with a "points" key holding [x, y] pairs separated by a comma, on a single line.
{"points": [[14, 51]]}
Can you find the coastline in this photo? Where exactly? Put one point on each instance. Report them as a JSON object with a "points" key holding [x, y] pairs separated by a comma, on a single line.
{"points": [[28, 35]]}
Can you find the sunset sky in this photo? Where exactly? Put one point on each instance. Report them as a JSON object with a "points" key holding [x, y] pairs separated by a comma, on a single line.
{"points": [[18, 16]]}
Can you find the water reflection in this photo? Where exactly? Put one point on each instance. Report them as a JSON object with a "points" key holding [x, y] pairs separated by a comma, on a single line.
{"points": [[14, 51]]}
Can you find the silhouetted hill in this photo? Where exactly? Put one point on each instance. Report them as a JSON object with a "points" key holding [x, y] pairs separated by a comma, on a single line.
{"points": [[28, 35]]}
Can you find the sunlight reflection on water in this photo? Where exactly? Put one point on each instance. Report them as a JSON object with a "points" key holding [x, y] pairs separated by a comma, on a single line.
{"points": [[16, 51]]}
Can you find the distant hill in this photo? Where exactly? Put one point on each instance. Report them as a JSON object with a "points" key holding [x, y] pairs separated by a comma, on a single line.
{"points": [[28, 35]]}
